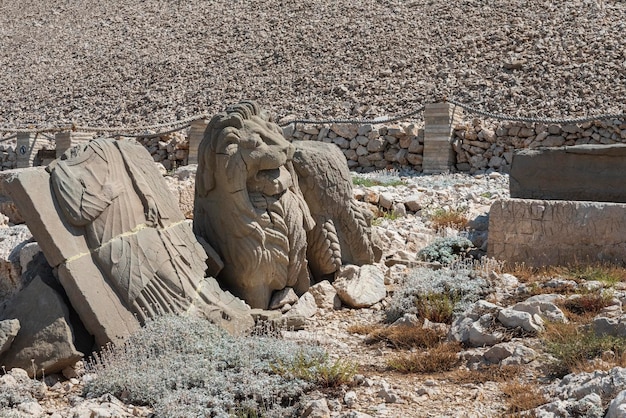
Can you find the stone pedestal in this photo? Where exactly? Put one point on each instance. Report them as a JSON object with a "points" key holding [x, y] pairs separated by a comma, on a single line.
{"points": [[439, 120], [196, 133], [66, 140], [27, 148], [556, 232]]}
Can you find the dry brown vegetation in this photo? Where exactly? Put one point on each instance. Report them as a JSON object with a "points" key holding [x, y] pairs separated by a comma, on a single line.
{"points": [[522, 396], [440, 358], [399, 337], [450, 218]]}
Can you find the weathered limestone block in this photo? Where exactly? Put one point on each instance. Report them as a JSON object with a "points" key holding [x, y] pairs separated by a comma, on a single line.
{"points": [[12, 240], [581, 172], [45, 336], [360, 287], [104, 217], [552, 232], [8, 331], [260, 199]]}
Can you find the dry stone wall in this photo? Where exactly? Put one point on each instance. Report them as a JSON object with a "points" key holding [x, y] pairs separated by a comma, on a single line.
{"points": [[479, 144], [369, 147], [482, 145]]}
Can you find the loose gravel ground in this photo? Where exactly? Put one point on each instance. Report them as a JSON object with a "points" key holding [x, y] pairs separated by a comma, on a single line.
{"points": [[131, 62]]}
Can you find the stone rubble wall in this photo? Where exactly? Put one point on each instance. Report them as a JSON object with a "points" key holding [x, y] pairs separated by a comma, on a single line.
{"points": [[369, 147], [479, 145], [482, 145]]}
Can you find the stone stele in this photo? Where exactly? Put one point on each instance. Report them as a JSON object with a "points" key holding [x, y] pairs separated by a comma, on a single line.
{"points": [[581, 172], [104, 217], [250, 207]]}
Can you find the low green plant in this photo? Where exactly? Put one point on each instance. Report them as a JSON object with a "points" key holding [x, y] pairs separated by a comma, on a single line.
{"points": [[437, 307], [609, 274], [445, 250], [185, 366], [437, 294], [573, 347], [388, 215], [369, 182]]}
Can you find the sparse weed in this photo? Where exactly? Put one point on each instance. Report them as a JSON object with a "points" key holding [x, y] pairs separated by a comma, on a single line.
{"points": [[318, 370], [589, 304], [362, 329], [442, 218], [440, 358], [491, 373], [574, 347]]}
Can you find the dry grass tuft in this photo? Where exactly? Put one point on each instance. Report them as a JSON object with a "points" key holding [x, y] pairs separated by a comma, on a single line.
{"points": [[403, 336], [589, 304], [522, 396], [449, 218], [362, 329], [493, 373], [441, 358]]}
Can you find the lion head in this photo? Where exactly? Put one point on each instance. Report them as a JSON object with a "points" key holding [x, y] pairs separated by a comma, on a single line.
{"points": [[249, 207]]}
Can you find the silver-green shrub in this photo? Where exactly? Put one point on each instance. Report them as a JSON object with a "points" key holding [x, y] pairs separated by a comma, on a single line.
{"points": [[460, 284], [445, 250], [188, 367]]}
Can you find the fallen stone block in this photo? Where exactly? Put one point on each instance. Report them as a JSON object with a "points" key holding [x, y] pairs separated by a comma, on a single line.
{"points": [[45, 341], [360, 287], [581, 172]]}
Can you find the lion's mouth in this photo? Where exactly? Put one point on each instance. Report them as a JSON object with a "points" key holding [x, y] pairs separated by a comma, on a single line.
{"points": [[266, 184]]}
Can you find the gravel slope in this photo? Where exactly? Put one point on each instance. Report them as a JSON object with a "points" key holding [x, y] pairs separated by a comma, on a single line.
{"points": [[131, 62]]}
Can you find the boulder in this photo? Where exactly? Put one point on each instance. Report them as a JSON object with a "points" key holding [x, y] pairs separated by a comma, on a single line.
{"points": [[283, 297], [360, 287], [511, 318], [305, 306], [325, 295], [316, 409], [12, 240], [8, 330], [617, 407], [45, 340], [482, 334], [510, 353], [582, 172]]}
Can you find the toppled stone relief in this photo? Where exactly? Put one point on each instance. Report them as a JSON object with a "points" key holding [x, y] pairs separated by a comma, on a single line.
{"points": [[106, 220]]}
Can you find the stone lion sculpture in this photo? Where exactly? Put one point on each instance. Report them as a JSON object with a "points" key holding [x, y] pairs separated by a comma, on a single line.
{"points": [[249, 206]]}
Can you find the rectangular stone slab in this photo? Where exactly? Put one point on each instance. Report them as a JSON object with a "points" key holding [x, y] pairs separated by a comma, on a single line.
{"points": [[553, 232], [98, 305], [581, 172]]}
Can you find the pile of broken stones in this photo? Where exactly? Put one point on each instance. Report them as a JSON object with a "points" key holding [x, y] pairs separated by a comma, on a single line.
{"points": [[332, 308]]}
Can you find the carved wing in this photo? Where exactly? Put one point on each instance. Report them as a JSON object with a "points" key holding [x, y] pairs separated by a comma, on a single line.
{"points": [[326, 184]]}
